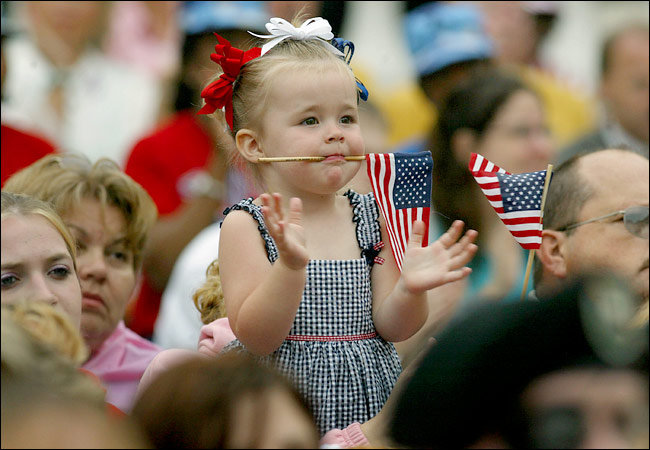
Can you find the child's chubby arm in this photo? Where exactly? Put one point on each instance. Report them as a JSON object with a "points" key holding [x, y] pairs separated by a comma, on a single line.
{"points": [[262, 298], [400, 306]]}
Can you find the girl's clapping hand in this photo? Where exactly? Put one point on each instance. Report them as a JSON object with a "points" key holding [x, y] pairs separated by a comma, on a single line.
{"points": [[288, 233], [441, 262]]}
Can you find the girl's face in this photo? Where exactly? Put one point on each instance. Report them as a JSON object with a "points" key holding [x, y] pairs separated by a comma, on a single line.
{"points": [[105, 264], [518, 139], [311, 114], [37, 266]]}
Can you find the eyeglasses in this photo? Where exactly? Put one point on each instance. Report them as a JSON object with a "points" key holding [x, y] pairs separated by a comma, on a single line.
{"points": [[635, 219]]}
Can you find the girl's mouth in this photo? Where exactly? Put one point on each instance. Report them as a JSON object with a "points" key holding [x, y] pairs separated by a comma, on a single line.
{"points": [[334, 158]]}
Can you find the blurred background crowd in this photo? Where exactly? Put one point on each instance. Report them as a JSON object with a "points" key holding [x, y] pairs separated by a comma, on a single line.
{"points": [[525, 83]]}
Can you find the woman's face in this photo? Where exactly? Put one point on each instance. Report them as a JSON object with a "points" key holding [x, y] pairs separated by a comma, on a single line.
{"points": [[518, 139], [37, 265], [105, 266]]}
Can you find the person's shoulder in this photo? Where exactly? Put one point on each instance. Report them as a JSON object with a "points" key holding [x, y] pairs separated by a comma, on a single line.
{"points": [[239, 217], [592, 141]]}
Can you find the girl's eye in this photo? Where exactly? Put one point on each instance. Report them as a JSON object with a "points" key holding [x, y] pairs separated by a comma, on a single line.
{"points": [[8, 280], [347, 119], [310, 121], [60, 272]]}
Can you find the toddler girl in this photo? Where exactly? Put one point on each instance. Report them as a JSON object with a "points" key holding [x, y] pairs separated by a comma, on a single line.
{"points": [[303, 284]]}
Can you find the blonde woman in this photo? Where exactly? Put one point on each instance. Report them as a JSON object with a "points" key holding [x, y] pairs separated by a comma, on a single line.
{"points": [[109, 216]]}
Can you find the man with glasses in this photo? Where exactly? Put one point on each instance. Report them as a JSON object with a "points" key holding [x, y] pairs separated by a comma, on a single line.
{"points": [[596, 219]]}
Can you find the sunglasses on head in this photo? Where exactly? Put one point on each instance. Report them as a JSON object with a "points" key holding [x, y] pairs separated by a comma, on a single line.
{"points": [[635, 219]]}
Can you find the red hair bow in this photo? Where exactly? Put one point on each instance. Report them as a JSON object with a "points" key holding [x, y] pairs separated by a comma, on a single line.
{"points": [[219, 93]]}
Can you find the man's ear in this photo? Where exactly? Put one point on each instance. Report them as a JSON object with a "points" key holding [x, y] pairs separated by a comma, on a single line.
{"points": [[552, 253], [248, 145], [463, 143]]}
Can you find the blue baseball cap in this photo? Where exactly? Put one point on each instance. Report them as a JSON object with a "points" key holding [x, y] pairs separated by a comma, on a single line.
{"points": [[207, 16], [440, 34]]}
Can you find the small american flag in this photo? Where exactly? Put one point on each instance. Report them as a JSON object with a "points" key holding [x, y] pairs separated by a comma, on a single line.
{"points": [[517, 199], [401, 183]]}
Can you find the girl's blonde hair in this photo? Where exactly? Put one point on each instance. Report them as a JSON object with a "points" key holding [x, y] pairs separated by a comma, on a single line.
{"points": [[66, 180], [25, 205], [49, 325], [208, 299], [29, 364]]}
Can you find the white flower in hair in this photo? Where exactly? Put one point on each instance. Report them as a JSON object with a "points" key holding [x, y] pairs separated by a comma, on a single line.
{"points": [[314, 28]]}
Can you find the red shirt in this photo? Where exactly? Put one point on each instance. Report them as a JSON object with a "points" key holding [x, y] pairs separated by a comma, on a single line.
{"points": [[19, 150], [157, 162]]}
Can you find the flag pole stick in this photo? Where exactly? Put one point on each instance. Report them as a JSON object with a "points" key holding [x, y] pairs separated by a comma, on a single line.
{"points": [[531, 254], [306, 158]]}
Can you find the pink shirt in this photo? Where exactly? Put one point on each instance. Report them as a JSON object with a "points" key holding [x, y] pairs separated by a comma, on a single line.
{"points": [[213, 338], [120, 362]]}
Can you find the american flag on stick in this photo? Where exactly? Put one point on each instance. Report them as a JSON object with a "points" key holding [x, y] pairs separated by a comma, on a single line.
{"points": [[401, 183], [517, 199]]}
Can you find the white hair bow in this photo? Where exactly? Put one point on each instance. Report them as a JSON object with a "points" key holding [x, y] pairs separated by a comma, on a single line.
{"points": [[314, 28]]}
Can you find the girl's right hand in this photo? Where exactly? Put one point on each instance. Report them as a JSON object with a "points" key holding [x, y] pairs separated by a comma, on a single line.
{"points": [[288, 233]]}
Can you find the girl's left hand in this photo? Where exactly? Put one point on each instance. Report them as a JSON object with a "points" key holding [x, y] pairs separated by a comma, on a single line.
{"points": [[442, 262]]}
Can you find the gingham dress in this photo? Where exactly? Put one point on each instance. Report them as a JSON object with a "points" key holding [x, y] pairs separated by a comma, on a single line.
{"points": [[333, 354]]}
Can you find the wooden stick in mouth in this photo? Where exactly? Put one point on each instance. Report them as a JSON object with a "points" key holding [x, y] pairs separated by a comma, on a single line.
{"points": [[306, 158]]}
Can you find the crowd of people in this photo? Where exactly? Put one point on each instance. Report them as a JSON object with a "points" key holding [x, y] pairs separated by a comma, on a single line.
{"points": [[194, 253]]}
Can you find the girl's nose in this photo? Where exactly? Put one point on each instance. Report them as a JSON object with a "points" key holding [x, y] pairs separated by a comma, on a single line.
{"points": [[334, 133]]}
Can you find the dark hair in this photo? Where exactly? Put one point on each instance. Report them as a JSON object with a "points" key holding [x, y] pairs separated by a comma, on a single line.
{"points": [[192, 404], [565, 198], [187, 95], [471, 105]]}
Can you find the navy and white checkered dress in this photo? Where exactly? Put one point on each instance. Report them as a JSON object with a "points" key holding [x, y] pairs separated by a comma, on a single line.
{"points": [[333, 353]]}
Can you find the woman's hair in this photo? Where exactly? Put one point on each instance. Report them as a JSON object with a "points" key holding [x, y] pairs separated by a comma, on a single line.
{"points": [[52, 327], [208, 299], [66, 180], [24, 205], [472, 106], [193, 404]]}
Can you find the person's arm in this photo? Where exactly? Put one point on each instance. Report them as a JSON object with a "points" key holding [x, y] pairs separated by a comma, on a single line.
{"points": [[404, 310], [262, 298]]}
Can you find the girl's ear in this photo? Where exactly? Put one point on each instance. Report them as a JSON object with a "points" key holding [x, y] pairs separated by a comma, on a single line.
{"points": [[248, 145]]}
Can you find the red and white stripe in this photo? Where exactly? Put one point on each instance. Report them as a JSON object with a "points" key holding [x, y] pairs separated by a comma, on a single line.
{"points": [[525, 226], [399, 223]]}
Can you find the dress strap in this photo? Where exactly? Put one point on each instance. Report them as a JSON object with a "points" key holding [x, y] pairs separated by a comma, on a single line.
{"points": [[256, 211], [366, 215]]}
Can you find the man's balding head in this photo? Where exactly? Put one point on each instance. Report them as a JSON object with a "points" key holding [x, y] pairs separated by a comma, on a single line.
{"points": [[586, 187]]}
